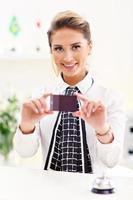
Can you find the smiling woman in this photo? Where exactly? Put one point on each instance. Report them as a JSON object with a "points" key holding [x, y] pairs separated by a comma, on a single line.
{"points": [[77, 141]]}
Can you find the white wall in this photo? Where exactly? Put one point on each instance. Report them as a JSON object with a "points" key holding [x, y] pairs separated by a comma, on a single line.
{"points": [[111, 59]]}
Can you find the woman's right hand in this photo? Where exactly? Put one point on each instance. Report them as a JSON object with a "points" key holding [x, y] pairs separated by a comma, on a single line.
{"points": [[32, 112]]}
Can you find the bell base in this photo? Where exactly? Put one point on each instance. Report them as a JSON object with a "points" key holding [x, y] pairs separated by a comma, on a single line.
{"points": [[103, 191]]}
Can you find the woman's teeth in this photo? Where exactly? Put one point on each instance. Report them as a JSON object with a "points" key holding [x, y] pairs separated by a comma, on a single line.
{"points": [[70, 65]]}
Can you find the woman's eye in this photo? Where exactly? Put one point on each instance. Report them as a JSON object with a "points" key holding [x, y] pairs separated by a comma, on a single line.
{"points": [[76, 47], [58, 49]]}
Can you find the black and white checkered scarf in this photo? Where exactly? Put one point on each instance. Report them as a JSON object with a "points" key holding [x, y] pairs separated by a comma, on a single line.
{"points": [[68, 154]]}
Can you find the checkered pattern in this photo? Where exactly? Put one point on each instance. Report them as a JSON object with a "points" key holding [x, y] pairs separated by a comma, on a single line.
{"points": [[67, 154]]}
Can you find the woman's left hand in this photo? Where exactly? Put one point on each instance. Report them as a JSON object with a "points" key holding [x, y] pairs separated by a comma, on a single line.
{"points": [[92, 112]]}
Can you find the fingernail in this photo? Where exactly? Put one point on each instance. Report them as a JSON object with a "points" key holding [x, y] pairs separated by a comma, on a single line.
{"points": [[36, 111]]}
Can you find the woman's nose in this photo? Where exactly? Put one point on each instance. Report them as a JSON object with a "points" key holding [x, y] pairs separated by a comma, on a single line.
{"points": [[68, 56]]}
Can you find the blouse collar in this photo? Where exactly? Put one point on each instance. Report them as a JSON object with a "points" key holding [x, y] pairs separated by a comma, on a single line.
{"points": [[84, 85]]}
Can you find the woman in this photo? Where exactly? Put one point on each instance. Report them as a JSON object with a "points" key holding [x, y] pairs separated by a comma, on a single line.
{"points": [[79, 141]]}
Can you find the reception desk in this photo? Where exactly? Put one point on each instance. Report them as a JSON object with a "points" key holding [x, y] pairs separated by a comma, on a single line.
{"points": [[30, 184]]}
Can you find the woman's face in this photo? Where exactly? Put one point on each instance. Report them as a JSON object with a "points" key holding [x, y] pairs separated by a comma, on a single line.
{"points": [[70, 51]]}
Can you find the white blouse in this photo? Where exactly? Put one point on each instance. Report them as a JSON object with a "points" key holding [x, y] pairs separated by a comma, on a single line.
{"points": [[107, 154]]}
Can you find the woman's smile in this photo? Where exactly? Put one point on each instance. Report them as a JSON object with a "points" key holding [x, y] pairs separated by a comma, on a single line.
{"points": [[70, 67]]}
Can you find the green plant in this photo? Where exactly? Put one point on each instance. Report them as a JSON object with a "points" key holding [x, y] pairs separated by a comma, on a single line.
{"points": [[8, 124]]}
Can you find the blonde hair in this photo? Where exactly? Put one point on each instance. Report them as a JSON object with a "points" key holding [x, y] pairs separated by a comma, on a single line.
{"points": [[69, 19]]}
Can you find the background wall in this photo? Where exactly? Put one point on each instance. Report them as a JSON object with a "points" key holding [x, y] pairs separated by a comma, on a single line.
{"points": [[111, 61], [26, 68]]}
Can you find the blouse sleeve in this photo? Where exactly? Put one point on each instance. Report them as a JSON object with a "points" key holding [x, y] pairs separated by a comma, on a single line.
{"points": [[26, 144], [110, 154]]}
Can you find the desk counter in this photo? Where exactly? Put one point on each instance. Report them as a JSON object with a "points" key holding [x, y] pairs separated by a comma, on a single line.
{"points": [[30, 184]]}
